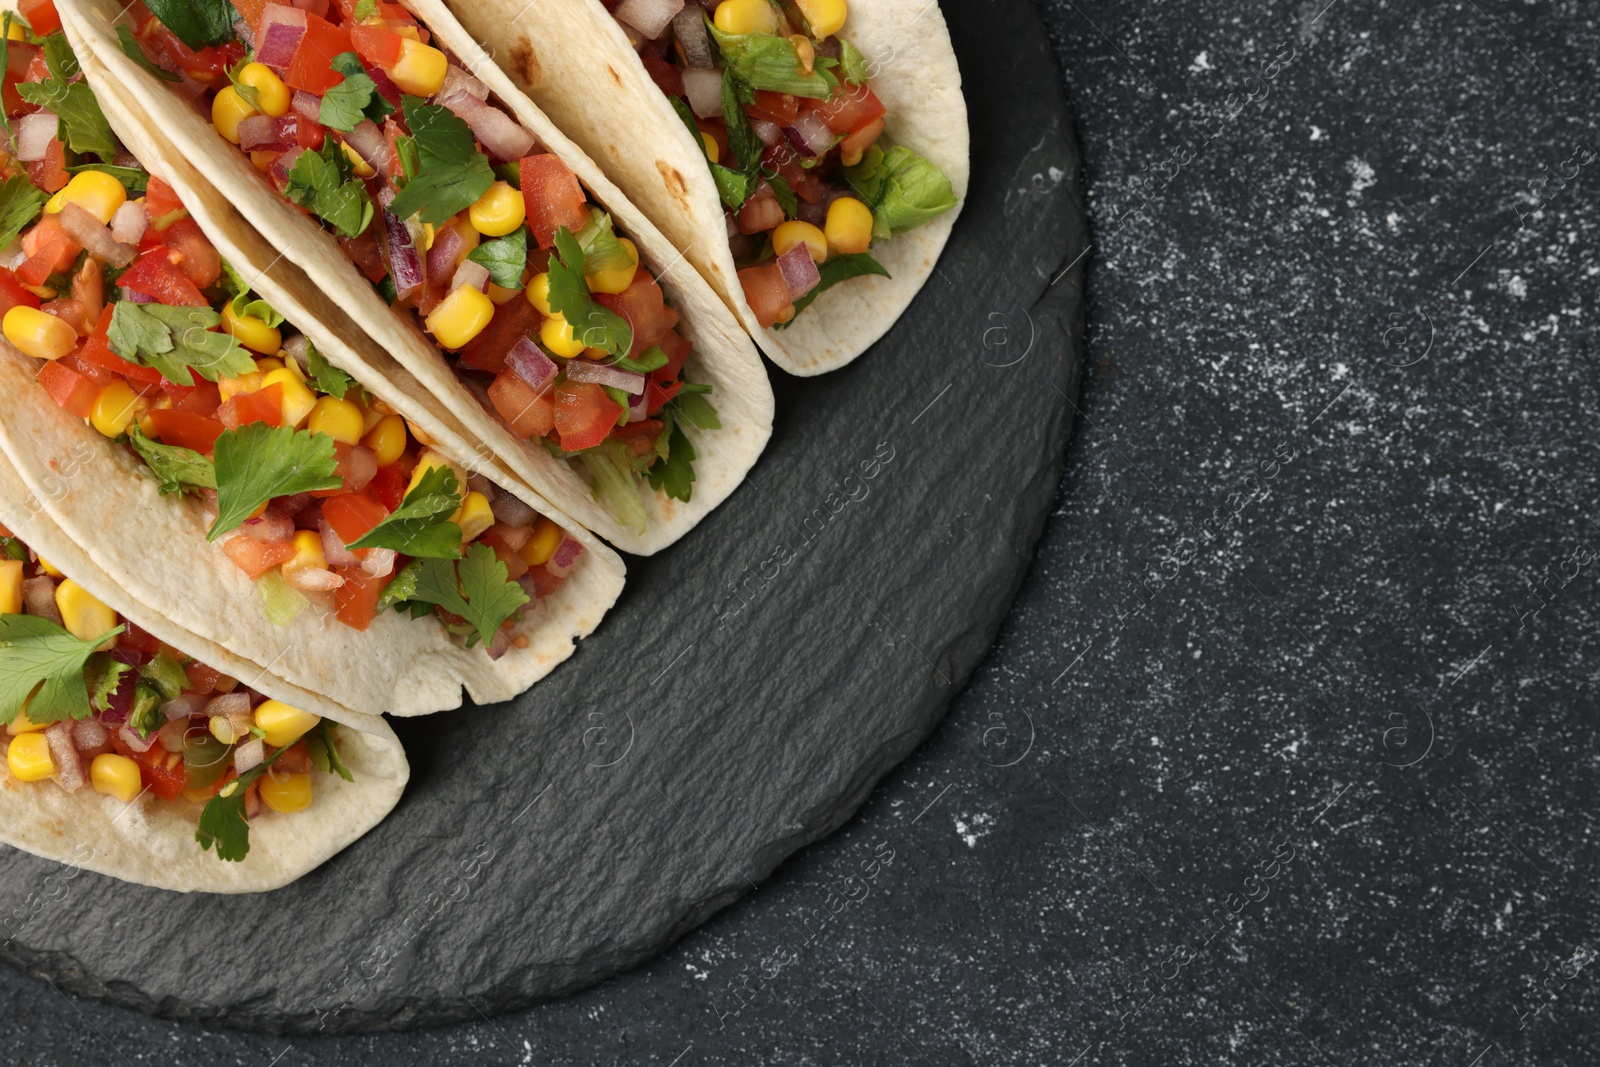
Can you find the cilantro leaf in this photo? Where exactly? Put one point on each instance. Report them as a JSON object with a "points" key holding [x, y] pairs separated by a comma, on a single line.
{"points": [[197, 23], [222, 823], [402, 588], [166, 674], [602, 250], [175, 341], [354, 99], [506, 257], [902, 188], [20, 203], [325, 184], [146, 714], [850, 61], [103, 675], [476, 588], [131, 49], [82, 124], [785, 195], [241, 302], [37, 654], [650, 359], [697, 409], [325, 751], [132, 178], [675, 474], [248, 93], [258, 463], [452, 174], [325, 376], [742, 139], [767, 61], [178, 468], [58, 57], [421, 525], [836, 269], [366, 9], [732, 187], [596, 325]]}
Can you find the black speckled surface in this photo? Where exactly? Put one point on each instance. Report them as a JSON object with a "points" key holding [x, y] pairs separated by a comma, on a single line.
{"points": [[1280, 640]]}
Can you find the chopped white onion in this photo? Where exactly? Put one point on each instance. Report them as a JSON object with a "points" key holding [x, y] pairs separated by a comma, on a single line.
{"points": [[472, 274], [499, 132], [649, 17], [69, 772], [183, 706], [704, 90], [370, 144], [333, 547], [228, 705], [583, 370], [89, 733], [14, 255], [248, 756], [769, 132], [313, 579], [34, 133], [379, 562], [172, 734], [131, 738], [94, 236], [456, 78], [129, 223], [689, 27], [512, 510]]}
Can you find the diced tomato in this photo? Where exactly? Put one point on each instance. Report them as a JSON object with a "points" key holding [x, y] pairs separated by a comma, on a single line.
{"points": [[666, 76], [201, 398], [352, 514], [528, 413], [851, 148], [202, 679], [13, 294], [204, 65], [19, 57], [312, 66], [378, 45], [193, 253], [761, 212], [71, 391], [308, 133], [89, 290], [512, 321], [366, 254], [154, 276], [584, 415], [639, 436], [160, 198], [97, 351], [49, 249], [805, 183], [544, 583], [251, 10], [767, 294], [778, 108], [642, 304], [658, 396], [254, 557], [357, 598], [849, 109], [38, 70], [186, 429], [676, 348], [160, 770], [553, 198], [516, 566], [264, 405], [41, 15], [388, 486], [95, 373]]}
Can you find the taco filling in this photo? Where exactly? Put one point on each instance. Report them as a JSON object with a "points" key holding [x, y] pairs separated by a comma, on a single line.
{"points": [[453, 213], [89, 700], [784, 110], [314, 487]]}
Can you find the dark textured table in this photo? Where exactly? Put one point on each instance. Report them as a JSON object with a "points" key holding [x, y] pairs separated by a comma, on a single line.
{"points": [[1284, 756]]}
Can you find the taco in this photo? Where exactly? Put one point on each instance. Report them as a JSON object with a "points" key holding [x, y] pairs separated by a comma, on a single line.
{"points": [[388, 158], [236, 454], [129, 751], [754, 132]]}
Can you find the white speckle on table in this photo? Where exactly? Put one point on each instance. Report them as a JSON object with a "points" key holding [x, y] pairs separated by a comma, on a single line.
{"points": [[1201, 62], [971, 827]]}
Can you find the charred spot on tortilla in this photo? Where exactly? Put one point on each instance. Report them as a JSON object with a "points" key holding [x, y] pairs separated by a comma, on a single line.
{"points": [[523, 59], [676, 184], [614, 75]]}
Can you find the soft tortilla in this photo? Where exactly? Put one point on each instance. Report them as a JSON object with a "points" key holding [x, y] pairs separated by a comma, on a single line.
{"points": [[568, 54], [724, 357], [153, 843], [104, 498]]}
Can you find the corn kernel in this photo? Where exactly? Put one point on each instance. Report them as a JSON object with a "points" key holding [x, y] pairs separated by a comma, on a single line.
{"points": [[245, 383], [228, 109], [556, 333], [252, 332], [37, 333], [29, 758], [114, 408], [501, 295], [115, 776], [713, 149], [50, 568], [387, 439], [273, 94], [15, 32], [848, 226], [286, 793], [10, 587], [339, 419], [95, 192], [825, 16], [746, 16], [461, 316], [538, 293], [266, 364], [420, 69], [262, 161], [297, 399], [431, 459], [474, 517], [418, 435], [282, 724], [83, 615], [498, 212], [24, 725], [793, 232], [616, 279], [358, 164], [543, 544], [307, 553], [221, 727]]}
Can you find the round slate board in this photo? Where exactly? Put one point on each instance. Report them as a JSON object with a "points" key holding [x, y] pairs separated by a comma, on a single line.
{"points": [[752, 685]]}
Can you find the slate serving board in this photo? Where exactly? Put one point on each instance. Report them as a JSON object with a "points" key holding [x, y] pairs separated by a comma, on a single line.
{"points": [[752, 685]]}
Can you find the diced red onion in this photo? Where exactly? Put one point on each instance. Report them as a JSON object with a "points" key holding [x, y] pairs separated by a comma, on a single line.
{"points": [[583, 370], [704, 90], [240, 722], [334, 549], [456, 78], [649, 17], [513, 536], [479, 484], [689, 27], [34, 133], [131, 738], [531, 364], [268, 528], [260, 132], [186, 704], [248, 756], [227, 704], [799, 271], [278, 35], [313, 579], [533, 614], [243, 31], [286, 160], [307, 105], [359, 467], [566, 556], [469, 273], [89, 733], [532, 589], [810, 134], [129, 223], [369, 143], [39, 598], [500, 645], [769, 132], [512, 510], [638, 409], [499, 132], [405, 265], [379, 562], [448, 249], [69, 772], [171, 735], [386, 87], [95, 237]]}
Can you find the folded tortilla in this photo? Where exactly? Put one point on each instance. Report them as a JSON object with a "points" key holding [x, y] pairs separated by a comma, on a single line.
{"points": [[104, 498], [153, 842], [576, 63], [723, 357]]}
